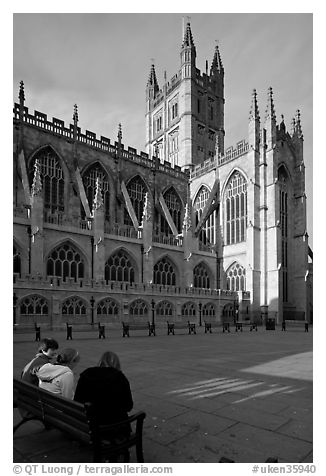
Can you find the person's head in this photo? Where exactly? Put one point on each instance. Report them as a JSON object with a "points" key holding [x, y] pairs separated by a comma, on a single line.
{"points": [[109, 359], [68, 357], [49, 347]]}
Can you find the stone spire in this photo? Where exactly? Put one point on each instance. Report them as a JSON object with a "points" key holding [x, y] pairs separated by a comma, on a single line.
{"points": [[37, 182], [119, 133], [270, 110], [217, 64], [254, 111], [298, 128], [188, 39], [152, 81], [98, 199], [75, 119], [21, 93], [21, 96]]}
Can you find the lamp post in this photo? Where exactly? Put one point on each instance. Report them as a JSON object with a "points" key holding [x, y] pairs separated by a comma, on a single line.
{"points": [[200, 306], [14, 299], [153, 312], [92, 301]]}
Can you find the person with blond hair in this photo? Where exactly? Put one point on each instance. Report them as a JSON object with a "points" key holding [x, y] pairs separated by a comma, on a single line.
{"points": [[107, 389], [58, 378]]}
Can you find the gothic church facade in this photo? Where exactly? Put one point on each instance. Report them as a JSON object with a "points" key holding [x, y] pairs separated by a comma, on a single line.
{"points": [[184, 231]]}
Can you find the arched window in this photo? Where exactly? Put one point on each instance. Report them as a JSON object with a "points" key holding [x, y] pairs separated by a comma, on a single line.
{"points": [[89, 180], [228, 313], [119, 267], [34, 305], [65, 262], [16, 261], [107, 307], [74, 307], [52, 179], [236, 278], [164, 309], [188, 309], [164, 272], [137, 190], [235, 209], [283, 181], [174, 205], [201, 276], [209, 310], [207, 235], [138, 308]]}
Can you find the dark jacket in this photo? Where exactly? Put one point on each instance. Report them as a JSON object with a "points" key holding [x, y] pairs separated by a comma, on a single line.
{"points": [[29, 371], [108, 390]]}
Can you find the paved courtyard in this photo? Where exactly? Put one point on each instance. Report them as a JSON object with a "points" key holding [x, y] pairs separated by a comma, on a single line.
{"points": [[246, 396]]}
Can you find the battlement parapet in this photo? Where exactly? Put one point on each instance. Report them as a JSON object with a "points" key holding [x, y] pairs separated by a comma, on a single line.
{"points": [[57, 127], [231, 153]]}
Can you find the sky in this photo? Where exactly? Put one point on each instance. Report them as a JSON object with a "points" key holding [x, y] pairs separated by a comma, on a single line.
{"points": [[102, 61]]}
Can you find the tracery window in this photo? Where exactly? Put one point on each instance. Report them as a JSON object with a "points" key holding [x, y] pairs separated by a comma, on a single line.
{"points": [[236, 209], [89, 180], [65, 262], [188, 309], [174, 205], [74, 306], [201, 276], [209, 310], [16, 261], [207, 234], [138, 308], [108, 307], [52, 179], [34, 305], [137, 191], [164, 309], [236, 278], [119, 267], [164, 272], [283, 197]]}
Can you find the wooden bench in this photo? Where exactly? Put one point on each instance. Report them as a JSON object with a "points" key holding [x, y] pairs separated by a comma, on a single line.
{"points": [[128, 326], [76, 420], [226, 327], [172, 326], [18, 329], [89, 328], [211, 325]]}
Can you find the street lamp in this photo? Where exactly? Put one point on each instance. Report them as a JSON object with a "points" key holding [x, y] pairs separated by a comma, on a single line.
{"points": [[92, 301], [200, 306], [153, 312], [15, 299]]}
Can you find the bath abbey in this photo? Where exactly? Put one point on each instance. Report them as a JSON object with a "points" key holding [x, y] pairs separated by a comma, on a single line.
{"points": [[187, 230]]}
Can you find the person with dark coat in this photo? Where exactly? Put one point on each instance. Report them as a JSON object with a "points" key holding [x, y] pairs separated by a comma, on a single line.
{"points": [[107, 389], [46, 353]]}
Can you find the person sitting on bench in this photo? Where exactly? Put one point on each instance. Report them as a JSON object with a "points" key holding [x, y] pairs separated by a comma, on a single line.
{"points": [[58, 377], [46, 353], [108, 389]]}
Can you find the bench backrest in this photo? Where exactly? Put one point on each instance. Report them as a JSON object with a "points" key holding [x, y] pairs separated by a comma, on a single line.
{"points": [[64, 414]]}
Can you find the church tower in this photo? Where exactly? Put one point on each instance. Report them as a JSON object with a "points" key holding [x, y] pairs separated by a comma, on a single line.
{"points": [[186, 116]]}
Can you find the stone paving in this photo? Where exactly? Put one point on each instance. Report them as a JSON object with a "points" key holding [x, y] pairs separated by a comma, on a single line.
{"points": [[246, 396]]}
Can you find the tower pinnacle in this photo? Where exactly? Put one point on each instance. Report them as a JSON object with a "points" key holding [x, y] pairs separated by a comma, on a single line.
{"points": [[188, 39], [254, 111], [217, 64], [270, 110], [152, 81]]}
